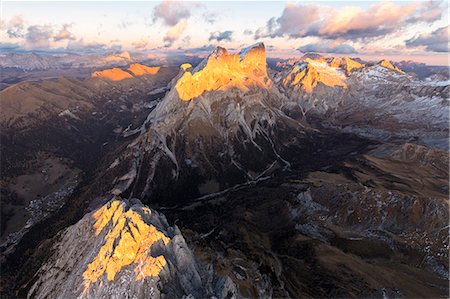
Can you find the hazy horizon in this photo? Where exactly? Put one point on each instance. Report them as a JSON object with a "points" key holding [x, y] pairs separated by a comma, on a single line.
{"points": [[370, 30]]}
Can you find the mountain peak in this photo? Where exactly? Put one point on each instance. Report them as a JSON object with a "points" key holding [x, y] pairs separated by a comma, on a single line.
{"points": [[219, 51], [253, 49], [345, 63], [140, 69], [387, 64], [122, 248], [185, 66], [313, 56], [125, 55], [309, 73], [117, 74], [114, 74], [222, 70], [132, 235], [121, 57]]}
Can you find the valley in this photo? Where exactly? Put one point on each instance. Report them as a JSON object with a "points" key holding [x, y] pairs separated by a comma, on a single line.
{"points": [[325, 178]]}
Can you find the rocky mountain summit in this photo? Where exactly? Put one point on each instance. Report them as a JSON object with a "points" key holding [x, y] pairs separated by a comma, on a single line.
{"points": [[325, 178], [222, 71], [125, 248], [378, 100], [226, 107]]}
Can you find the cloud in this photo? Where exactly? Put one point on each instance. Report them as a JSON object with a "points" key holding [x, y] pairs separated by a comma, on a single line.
{"points": [[15, 27], [204, 48], [38, 36], [327, 47], [295, 21], [247, 32], [348, 23], [64, 33], [87, 47], [436, 41], [172, 12], [9, 46], [141, 44], [429, 11], [186, 41], [175, 33], [125, 24], [221, 36], [210, 17]]}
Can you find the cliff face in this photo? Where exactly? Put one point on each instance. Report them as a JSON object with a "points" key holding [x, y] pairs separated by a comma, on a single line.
{"points": [[268, 186], [346, 64], [124, 248], [310, 73], [221, 71], [114, 74], [387, 64], [117, 74]]}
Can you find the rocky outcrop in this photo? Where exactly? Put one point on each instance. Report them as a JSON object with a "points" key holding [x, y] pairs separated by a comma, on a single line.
{"points": [[228, 107], [117, 74], [114, 74], [124, 248], [377, 101], [387, 64], [221, 71], [139, 69], [308, 74], [345, 63]]}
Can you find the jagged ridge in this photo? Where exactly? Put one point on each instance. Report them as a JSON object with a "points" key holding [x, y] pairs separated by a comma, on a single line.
{"points": [[124, 248], [117, 74], [222, 70]]}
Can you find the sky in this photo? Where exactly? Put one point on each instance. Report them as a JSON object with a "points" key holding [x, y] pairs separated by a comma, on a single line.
{"points": [[399, 30]]}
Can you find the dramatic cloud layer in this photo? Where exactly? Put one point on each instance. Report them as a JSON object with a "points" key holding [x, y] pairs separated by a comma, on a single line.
{"points": [[86, 47], [140, 44], [327, 47], [15, 27], [376, 28], [210, 17], [174, 14], [64, 34], [221, 36], [348, 23], [175, 33], [39, 36], [436, 41]]}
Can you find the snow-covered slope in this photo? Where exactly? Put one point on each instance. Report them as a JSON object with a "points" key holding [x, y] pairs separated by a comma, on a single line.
{"points": [[377, 101]]}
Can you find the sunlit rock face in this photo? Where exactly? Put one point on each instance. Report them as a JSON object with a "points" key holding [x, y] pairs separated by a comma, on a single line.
{"points": [[309, 73], [127, 242], [124, 56], [375, 100], [222, 70], [226, 107], [117, 74], [345, 63], [138, 69], [123, 248], [387, 64], [114, 74]]}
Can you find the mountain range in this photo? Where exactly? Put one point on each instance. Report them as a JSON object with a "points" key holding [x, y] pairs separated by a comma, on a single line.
{"points": [[318, 177]]}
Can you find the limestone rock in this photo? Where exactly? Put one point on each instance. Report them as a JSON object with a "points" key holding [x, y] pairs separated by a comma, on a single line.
{"points": [[123, 248]]}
